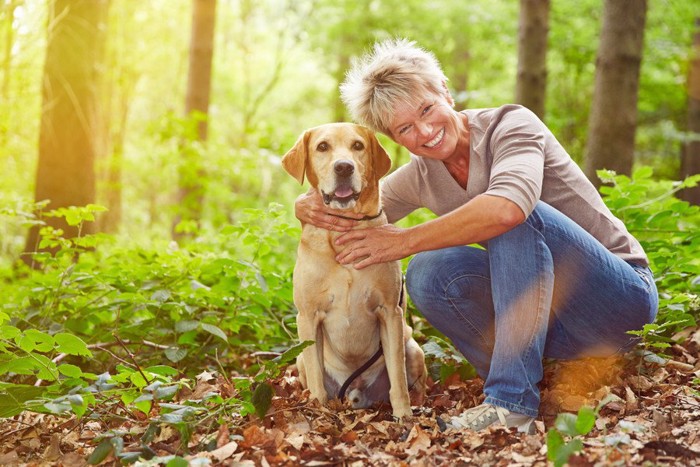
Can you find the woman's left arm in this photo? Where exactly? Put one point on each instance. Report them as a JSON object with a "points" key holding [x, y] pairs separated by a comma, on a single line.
{"points": [[481, 219]]}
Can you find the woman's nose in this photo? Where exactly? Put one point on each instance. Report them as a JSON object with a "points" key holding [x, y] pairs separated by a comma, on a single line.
{"points": [[424, 128]]}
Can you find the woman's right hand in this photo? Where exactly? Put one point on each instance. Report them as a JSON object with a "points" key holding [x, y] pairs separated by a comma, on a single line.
{"points": [[310, 209]]}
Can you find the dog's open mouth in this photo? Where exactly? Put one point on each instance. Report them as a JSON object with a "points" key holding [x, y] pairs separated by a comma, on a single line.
{"points": [[342, 194]]}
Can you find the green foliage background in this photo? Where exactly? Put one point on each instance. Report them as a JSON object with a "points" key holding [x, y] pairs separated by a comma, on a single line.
{"points": [[131, 318]]}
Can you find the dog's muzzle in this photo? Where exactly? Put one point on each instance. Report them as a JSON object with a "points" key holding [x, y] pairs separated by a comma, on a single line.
{"points": [[343, 192]]}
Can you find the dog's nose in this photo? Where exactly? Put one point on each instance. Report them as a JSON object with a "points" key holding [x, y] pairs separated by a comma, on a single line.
{"points": [[344, 168]]}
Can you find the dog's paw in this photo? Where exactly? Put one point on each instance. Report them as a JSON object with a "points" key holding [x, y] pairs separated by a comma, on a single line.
{"points": [[400, 414]]}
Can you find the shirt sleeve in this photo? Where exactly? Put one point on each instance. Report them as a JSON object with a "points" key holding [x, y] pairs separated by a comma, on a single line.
{"points": [[518, 150], [400, 192]]}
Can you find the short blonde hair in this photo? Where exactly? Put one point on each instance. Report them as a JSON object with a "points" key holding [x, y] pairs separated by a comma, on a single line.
{"points": [[395, 71]]}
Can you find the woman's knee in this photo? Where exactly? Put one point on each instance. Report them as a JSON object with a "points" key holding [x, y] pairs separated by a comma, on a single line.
{"points": [[422, 279], [432, 275]]}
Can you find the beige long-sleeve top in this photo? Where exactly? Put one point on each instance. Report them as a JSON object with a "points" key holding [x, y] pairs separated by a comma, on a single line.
{"points": [[515, 156]]}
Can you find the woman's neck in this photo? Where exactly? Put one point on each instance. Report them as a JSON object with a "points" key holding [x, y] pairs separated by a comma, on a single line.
{"points": [[459, 169], [458, 164]]}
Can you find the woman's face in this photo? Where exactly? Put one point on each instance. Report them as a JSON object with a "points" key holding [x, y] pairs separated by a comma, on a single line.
{"points": [[433, 129]]}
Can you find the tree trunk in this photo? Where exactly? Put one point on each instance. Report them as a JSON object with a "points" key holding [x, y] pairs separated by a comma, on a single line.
{"points": [[613, 118], [531, 85], [70, 115], [117, 96], [690, 161], [191, 192]]}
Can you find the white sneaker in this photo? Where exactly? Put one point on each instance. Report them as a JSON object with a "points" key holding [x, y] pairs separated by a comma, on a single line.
{"points": [[485, 415]]}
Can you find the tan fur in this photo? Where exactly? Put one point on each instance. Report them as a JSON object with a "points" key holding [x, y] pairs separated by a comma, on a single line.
{"points": [[348, 312]]}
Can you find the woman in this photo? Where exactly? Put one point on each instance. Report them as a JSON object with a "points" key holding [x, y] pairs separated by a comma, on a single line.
{"points": [[560, 276]]}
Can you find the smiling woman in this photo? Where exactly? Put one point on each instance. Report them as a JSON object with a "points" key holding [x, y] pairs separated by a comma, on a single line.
{"points": [[555, 256]]}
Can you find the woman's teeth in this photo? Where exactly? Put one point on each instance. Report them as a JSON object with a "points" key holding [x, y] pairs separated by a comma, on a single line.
{"points": [[432, 143]]}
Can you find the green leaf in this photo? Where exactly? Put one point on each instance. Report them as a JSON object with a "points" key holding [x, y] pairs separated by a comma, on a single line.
{"points": [[21, 366], [166, 392], [13, 398], [9, 332], [47, 368], [69, 370], [175, 354], [211, 329], [643, 172], [262, 399], [163, 370], [71, 345], [566, 451], [585, 421], [101, 452], [58, 406], [292, 353], [566, 424], [186, 325], [177, 462], [36, 340], [554, 444]]}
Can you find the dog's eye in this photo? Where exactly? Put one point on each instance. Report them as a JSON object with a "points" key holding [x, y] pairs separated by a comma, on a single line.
{"points": [[322, 146], [358, 146]]}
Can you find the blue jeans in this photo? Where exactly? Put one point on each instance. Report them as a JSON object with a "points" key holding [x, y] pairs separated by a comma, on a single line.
{"points": [[546, 288]]}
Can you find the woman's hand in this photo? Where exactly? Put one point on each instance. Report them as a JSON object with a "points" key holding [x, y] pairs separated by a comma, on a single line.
{"points": [[374, 245], [310, 209]]}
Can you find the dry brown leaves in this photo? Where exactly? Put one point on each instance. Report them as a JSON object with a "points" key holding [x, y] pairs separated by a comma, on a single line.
{"points": [[655, 420]]}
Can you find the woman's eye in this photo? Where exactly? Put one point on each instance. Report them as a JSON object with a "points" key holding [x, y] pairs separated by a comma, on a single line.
{"points": [[404, 129], [322, 146], [427, 109], [358, 146]]}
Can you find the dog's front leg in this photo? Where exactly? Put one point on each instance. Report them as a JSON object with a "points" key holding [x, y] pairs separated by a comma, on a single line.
{"points": [[309, 328], [391, 333]]}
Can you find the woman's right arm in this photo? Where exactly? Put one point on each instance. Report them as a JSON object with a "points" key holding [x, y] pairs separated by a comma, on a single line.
{"points": [[310, 209]]}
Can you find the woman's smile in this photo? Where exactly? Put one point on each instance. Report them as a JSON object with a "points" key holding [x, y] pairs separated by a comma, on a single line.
{"points": [[435, 141]]}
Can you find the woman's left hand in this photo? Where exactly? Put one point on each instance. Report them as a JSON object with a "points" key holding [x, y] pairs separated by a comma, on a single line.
{"points": [[373, 245]]}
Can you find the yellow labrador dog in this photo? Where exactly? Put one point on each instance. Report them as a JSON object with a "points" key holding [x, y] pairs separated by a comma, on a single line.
{"points": [[363, 345]]}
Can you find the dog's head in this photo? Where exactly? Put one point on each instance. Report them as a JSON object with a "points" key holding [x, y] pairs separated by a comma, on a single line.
{"points": [[343, 161]]}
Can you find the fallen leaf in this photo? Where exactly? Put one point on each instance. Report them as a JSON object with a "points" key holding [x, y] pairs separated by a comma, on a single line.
{"points": [[222, 436], [53, 451], [225, 451], [417, 441], [295, 440]]}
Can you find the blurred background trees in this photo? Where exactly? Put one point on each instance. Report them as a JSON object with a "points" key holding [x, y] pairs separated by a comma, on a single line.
{"points": [[275, 68]]}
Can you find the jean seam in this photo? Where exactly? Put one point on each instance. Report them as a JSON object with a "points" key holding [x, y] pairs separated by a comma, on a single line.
{"points": [[513, 407], [455, 308], [539, 311]]}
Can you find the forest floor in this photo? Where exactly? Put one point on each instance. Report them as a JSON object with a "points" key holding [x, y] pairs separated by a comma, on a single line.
{"points": [[655, 420]]}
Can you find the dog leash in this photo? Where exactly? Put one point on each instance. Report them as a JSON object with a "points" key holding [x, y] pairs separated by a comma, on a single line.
{"points": [[366, 218], [359, 371], [373, 358]]}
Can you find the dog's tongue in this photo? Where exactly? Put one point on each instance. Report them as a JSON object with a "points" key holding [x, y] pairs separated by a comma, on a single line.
{"points": [[343, 192]]}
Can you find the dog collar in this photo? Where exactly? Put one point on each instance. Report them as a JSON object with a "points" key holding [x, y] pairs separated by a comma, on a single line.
{"points": [[366, 218]]}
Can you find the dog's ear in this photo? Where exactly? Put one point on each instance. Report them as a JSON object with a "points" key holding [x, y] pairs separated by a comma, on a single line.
{"points": [[380, 158], [294, 162]]}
